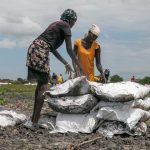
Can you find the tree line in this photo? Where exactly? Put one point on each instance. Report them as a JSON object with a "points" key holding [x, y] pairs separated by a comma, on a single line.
{"points": [[117, 78], [113, 79]]}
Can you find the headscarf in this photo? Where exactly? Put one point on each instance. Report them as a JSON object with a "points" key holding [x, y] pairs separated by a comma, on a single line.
{"points": [[68, 15], [95, 29]]}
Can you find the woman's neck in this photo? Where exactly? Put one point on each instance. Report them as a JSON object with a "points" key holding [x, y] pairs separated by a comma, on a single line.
{"points": [[86, 43]]}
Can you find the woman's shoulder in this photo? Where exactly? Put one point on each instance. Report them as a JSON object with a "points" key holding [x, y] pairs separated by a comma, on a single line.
{"points": [[97, 44], [63, 23], [77, 41], [59, 24]]}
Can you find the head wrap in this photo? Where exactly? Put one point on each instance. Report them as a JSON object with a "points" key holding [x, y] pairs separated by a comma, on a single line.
{"points": [[68, 15], [85, 35], [95, 29]]}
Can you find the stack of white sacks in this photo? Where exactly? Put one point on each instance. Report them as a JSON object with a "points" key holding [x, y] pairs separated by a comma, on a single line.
{"points": [[112, 108]]}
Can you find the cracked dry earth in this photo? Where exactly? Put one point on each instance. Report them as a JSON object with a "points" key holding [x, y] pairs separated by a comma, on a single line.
{"points": [[19, 138]]}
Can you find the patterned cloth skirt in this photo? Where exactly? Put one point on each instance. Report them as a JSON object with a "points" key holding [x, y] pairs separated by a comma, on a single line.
{"points": [[38, 56], [38, 61]]}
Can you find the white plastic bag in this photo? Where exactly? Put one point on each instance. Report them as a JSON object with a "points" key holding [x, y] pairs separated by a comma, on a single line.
{"points": [[73, 104], [121, 91], [84, 123], [11, 118], [74, 87], [143, 104], [121, 112]]}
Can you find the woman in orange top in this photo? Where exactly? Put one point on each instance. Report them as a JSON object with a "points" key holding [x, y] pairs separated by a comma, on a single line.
{"points": [[86, 50]]}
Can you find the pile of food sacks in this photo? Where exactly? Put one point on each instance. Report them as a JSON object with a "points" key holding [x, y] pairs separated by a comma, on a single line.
{"points": [[109, 109]]}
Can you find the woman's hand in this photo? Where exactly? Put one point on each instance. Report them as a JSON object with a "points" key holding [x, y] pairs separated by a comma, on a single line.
{"points": [[103, 78], [68, 69], [82, 73], [79, 72]]}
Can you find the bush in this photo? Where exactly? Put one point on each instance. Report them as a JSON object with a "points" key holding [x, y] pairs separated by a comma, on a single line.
{"points": [[145, 80], [116, 78]]}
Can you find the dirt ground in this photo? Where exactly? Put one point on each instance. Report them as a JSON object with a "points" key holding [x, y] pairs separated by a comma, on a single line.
{"points": [[19, 138]]}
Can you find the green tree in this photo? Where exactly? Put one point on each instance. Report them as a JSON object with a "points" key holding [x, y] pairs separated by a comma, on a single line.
{"points": [[116, 78], [145, 80], [20, 80]]}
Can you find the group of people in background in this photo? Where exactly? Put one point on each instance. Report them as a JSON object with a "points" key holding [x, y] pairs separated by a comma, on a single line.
{"points": [[85, 51], [58, 79], [54, 79]]}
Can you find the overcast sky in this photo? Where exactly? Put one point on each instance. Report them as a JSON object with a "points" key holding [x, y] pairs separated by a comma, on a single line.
{"points": [[124, 37]]}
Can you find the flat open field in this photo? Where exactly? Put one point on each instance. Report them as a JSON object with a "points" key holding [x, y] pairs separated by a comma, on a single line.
{"points": [[21, 97]]}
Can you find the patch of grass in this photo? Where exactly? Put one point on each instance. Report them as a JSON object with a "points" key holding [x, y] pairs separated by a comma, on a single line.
{"points": [[12, 89], [17, 88], [2, 101]]}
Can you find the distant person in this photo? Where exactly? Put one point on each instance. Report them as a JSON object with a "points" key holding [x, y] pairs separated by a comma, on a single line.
{"points": [[86, 49], [60, 79], [38, 62], [54, 79], [133, 78]]}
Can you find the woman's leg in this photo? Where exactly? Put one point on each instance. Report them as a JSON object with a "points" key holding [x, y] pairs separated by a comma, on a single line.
{"points": [[35, 103], [39, 100]]}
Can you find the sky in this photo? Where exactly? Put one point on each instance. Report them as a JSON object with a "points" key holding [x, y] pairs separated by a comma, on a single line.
{"points": [[124, 36]]}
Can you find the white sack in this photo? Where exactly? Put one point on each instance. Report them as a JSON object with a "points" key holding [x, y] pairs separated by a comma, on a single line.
{"points": [[73, 105], [47, 121], [84, 123], [121, 91], [95, 83], [143, 104], [111, 128], [121, 112], [73, 87], [10, 118], [6, 120]]}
